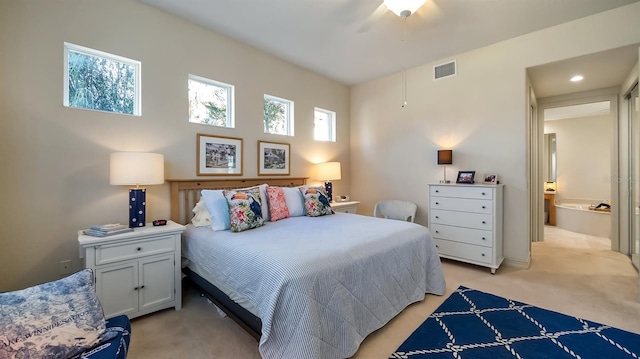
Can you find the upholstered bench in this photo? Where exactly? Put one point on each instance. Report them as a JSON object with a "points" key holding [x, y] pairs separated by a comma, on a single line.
{"points": [[61, 319]]}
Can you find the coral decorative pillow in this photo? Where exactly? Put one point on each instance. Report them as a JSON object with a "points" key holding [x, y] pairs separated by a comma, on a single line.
{"points": [[316, 202], [57, 319], [277, 203], [244, 209]]}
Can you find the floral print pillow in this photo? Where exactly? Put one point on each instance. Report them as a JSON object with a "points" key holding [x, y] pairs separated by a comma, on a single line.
{"points": [[316, 202], [244, 209], [277, 204]]}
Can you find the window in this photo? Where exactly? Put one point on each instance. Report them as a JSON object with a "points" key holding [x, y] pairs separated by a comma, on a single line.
{"points": [[324, 125], [96, 80], [210, 102], [278, 116]]}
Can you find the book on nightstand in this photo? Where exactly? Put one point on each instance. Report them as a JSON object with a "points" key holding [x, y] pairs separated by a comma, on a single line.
{"points": [[107, 230]]}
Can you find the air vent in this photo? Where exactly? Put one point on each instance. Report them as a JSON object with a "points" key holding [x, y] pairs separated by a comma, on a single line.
{"points": [[444, 70]]}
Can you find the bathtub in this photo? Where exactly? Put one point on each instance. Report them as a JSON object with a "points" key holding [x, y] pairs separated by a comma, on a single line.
{"points": [[574, 215]]}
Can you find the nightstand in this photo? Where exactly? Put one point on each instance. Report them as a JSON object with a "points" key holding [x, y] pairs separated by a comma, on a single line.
{"points": [[345, 207], [136, 273]]}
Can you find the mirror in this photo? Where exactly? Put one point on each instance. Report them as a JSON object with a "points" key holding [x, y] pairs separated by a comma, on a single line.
{"points": [[549, 157]]}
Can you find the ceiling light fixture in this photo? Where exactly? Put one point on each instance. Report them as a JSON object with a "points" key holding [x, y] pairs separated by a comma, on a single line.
{"points": [[577, 78], [403, 8]]}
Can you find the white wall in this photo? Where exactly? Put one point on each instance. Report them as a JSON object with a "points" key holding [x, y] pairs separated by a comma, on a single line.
{"points": [[55, 160], [480, 113], [583, 147]]}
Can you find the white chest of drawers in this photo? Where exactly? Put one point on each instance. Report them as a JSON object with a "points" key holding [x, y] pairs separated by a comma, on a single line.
{"points": [[466, 222]]}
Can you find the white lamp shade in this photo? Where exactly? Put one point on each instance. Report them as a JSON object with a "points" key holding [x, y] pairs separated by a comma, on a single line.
{"points": [[329, 171], [398, 6], [136, 168]]}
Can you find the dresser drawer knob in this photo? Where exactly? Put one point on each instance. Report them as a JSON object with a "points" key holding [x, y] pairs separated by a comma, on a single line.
{"points": [[437, 203], [437, 217], [139, 248], [436, 246], [136, 288], [437, 232], [437, 191], [483, 193], [484, 239], [142, 287], [483, 207], [484, 222], [483, 254]]}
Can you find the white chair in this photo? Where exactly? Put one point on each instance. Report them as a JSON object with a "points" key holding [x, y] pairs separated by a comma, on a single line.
{"points": [[396, 209]]}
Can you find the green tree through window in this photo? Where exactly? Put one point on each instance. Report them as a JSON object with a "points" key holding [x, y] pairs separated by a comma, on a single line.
{"points": [[100, 83]]}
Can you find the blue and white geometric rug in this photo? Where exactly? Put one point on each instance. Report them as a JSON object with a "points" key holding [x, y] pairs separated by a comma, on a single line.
{"points": [[472, 324]]}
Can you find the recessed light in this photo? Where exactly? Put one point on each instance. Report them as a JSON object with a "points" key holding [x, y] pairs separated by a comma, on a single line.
{"points": [[576, 78]]}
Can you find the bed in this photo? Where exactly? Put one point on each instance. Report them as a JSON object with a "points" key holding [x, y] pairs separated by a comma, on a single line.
{"points": [[308, 287]]}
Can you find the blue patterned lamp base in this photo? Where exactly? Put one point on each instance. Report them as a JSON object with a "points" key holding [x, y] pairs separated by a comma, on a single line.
{"points": [[137, 203], [328, 186]]}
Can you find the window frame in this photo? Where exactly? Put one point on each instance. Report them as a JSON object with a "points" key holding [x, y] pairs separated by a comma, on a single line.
{"points": [[231, 93], [137, 65], [332, 135], [289, 117]]}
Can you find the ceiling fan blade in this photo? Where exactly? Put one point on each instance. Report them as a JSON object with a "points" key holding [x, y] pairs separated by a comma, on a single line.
{"points": [[429, 11], [373, 18]]}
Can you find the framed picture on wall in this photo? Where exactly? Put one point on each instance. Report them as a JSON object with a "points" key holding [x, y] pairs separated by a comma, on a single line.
{"points": [[218, 155], [466, 176], [490, 178], [273, 158]]}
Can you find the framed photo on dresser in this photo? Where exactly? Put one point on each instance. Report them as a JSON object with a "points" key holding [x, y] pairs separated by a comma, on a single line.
{"points": [[466, 176], [490, 178]]}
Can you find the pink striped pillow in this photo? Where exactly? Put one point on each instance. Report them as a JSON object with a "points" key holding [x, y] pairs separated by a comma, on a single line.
{"points": [[277, 205]]}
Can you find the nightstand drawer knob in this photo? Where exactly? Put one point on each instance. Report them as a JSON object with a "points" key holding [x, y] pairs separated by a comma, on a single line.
{"points": [[483, 254], [484, 239], [484, 222], [139, 248], [437, 217], [437, 191], [142, 287], [136, 288], [437, 203], [437, 232], [483, 193], [483, 207]]}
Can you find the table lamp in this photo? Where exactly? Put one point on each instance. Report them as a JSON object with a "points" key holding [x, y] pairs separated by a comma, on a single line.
{"points": [[445, 157], [136, 168], [329, 171]]}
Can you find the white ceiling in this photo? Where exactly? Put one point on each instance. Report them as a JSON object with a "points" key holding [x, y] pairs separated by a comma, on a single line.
{"points": [[354, 41]]}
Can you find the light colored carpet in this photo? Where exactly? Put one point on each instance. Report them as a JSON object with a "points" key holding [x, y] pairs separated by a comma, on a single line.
{"points": [[570, 273]]}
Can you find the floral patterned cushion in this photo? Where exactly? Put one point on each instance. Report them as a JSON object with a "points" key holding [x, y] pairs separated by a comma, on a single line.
{"points": [[244, 209], [277, 203], [315, 201], [57, 319]]}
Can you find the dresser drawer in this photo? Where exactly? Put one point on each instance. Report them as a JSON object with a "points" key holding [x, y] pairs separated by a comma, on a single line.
{"points": [[462, 204], [463, 251], [461, 192], [461, 219], [110, 253], [459, 234]]}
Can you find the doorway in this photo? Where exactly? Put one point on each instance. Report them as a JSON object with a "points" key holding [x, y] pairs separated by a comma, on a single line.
{"points": [[632, 102]]}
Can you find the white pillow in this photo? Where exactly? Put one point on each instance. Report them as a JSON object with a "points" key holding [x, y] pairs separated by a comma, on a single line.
{"points": [[295, 201], [201, 217], [218, 209]]}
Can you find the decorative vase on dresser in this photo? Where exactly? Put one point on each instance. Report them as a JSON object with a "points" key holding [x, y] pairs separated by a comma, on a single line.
{"points": [[465, 221]]}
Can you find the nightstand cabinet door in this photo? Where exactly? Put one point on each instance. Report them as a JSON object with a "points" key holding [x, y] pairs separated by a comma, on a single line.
{"points": [[154, 287], [115, 286], [465, 221]]}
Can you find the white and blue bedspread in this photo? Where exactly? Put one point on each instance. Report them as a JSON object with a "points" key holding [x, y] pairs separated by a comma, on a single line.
{"points": [[322, 284]]}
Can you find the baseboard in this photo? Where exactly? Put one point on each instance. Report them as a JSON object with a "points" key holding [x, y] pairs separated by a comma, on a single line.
{"points": [[518, 263]]}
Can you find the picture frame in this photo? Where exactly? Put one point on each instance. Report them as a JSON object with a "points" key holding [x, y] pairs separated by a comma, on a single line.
{"points": [[274, 158], [218, 155], [466, 176], [490, 178]]}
